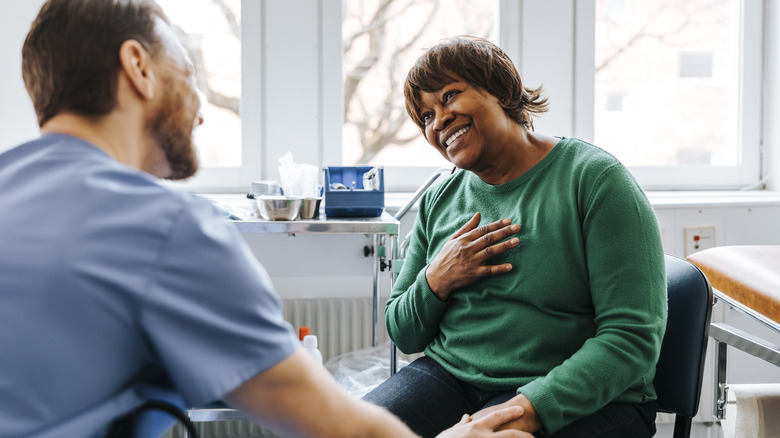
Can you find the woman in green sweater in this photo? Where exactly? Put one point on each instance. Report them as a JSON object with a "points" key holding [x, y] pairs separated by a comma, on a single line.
{"points": [[535, 274]]}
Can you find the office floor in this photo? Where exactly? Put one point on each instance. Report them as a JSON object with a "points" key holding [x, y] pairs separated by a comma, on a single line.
{"points": [[699, 430]]}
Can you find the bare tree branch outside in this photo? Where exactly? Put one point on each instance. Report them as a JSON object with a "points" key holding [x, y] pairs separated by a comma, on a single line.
{"points": [[212, 38], [381, 41], [664, 75]]}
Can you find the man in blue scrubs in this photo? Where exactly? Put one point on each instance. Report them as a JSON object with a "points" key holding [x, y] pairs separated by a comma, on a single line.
{"points": [[111, 284]]}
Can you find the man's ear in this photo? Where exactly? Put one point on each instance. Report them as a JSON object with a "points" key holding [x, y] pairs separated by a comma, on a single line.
{"points": [[136, 66]]}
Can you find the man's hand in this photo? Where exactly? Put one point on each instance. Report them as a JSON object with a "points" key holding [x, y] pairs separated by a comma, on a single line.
{"points": [[486, 426], [462, 259], [529, 422]]}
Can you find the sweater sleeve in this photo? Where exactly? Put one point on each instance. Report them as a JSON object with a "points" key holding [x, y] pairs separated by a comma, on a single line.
{"points": [[413, 312], [625, 266]]}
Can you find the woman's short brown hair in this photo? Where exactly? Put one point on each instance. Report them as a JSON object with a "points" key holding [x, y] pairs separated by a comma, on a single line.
{"points": [[480, 63], [70, 58]]}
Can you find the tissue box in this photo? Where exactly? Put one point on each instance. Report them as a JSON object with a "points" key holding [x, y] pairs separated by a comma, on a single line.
{"points": [[355, 201]]}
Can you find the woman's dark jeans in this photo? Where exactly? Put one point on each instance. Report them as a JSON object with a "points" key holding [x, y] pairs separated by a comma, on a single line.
{"points": [[429, 399]]}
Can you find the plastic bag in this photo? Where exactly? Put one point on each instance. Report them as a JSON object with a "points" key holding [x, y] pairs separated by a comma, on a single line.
{"points": [[297, 179], [360, 371]]}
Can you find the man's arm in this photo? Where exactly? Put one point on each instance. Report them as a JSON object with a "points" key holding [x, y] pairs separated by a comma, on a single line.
{"points": [[297, 397]]}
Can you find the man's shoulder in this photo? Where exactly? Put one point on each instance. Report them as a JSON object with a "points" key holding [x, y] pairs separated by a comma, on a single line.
{"points": [[56, 158], [88, 181]]}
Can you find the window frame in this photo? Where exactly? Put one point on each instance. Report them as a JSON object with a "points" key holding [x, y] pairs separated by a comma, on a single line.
{"points": [[523, 31], [703, 177], [238, 178]]}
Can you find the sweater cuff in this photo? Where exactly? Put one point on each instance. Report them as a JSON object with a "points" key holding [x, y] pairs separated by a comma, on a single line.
{"points": [[428, 297], [546, 406]]}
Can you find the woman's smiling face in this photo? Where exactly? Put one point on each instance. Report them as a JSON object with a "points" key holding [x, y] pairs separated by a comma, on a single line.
{"points": [[466, 124]]}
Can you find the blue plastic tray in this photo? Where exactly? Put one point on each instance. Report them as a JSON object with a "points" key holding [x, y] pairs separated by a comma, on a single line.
{"points": [[355, 201]]}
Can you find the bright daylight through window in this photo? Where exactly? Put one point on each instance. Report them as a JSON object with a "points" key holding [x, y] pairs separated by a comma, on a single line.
{"points": [[666, 81], [212, 38], [675, 93], [382, 40]]}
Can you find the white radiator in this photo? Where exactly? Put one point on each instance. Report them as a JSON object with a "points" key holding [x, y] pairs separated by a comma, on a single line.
{"points": [[341, 324]]}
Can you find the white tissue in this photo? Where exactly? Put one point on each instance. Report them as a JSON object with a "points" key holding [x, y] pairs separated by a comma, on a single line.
{"points": [[753, 411], [371, 179], [298, 179]]}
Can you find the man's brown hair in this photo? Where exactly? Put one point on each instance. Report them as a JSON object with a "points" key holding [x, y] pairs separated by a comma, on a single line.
{"points": [[70, 58], [480, 63]]}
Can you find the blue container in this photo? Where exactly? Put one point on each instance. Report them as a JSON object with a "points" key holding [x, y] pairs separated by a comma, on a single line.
{"points": [[355, 200]]}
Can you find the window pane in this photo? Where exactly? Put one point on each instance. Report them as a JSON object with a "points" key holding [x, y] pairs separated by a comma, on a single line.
{"points": [[666, 81], [382, 40], [210, 30]]}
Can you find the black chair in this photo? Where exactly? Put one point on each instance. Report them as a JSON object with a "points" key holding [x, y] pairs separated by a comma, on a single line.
{"points": [[162, 409], [680, 367]]}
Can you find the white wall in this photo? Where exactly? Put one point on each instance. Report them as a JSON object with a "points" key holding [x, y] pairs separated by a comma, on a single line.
{"points": [[17, 117], [311, 266]]}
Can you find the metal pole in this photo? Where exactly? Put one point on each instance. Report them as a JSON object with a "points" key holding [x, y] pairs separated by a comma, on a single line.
{"points": [[394, 256], [720, 383], [375, 332]]}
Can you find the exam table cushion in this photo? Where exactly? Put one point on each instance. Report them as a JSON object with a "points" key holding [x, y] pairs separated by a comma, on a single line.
{"points": [[748, 274]]}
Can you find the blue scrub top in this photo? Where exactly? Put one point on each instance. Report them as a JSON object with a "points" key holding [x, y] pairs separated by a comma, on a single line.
{"points": [[110, 282]]}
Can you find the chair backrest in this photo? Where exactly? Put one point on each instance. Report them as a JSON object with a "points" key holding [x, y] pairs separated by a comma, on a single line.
{"points": [[680, 367], [162, 409]]}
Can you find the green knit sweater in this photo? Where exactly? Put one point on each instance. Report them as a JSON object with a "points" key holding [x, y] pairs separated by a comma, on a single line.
{"points": [[579, 320]]}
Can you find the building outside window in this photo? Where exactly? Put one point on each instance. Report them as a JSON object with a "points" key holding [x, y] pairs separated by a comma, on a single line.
{"points": [[696, 65], [615, 101]]}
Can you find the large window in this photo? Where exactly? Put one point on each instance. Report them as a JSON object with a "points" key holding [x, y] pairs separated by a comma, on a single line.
{"points": [[675, 66], [212, 38], [677, 90], [211, 31], [671, 87]]}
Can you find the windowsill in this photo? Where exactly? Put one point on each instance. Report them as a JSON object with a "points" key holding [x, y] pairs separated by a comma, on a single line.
{"points": [[659, 199], [732, 198]]}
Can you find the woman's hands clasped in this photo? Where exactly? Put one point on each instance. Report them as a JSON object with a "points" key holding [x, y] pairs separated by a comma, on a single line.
{"points": [[463, 258]]}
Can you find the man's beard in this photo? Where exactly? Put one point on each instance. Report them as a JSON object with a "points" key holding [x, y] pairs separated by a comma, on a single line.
{"points": [[171, 129]]}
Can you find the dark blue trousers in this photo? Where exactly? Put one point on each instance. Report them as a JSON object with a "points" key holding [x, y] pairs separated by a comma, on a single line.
{"points": [[429, 399]]}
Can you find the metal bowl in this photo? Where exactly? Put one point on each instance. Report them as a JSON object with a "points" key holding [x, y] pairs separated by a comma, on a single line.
{"points": [[278, 208], [310, 208]]}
